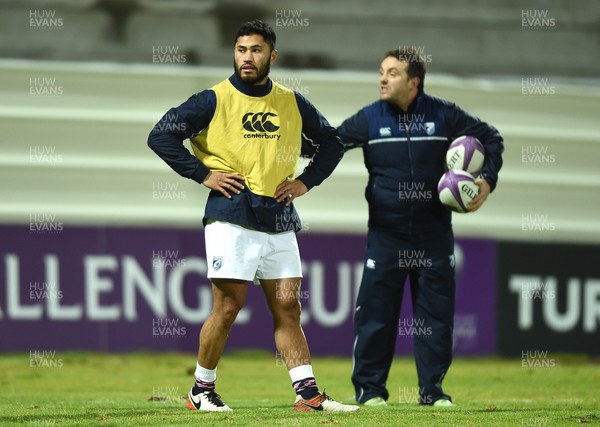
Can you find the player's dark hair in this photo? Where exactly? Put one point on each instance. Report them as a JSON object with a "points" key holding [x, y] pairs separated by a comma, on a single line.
{"points": [[415, 61], [257, 27]]}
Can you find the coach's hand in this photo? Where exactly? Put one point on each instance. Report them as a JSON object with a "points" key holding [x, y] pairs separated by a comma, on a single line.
{"points": [[484, 192], [290, 189], [224, 182]]}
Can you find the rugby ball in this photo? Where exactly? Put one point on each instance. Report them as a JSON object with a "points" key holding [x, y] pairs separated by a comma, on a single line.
{"points": [[465, 153], [456, 189]]}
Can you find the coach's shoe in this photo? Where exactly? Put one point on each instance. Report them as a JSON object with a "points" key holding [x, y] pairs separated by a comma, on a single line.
{"points": [[322, 402], [375, 401], [206, 401], [443, 403]]}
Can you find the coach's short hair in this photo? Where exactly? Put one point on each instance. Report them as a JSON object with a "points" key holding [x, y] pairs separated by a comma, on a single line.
{"points": [[257, 27], [415, 61]]}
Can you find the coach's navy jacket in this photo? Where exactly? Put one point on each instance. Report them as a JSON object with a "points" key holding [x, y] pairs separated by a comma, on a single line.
{"points": [[405, 152]]}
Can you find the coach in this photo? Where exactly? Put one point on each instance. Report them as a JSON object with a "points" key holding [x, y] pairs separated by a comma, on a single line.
{"points": [[404, 137]]}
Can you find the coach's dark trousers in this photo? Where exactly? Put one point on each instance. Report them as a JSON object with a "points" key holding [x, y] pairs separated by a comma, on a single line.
{"points": [[428, 261]]}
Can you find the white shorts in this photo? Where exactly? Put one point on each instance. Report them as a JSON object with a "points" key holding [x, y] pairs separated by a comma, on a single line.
{"points": [[235, 252]]}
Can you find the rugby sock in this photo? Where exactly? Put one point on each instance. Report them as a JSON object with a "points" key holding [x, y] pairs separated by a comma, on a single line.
{"points": [[204, 379], [304, 382]]}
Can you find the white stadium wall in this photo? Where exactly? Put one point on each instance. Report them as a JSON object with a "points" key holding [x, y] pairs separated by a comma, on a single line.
{"points": [[73, 144]]}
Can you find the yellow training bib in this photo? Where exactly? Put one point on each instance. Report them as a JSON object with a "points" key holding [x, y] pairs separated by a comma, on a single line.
{"points": [[256, 137]]}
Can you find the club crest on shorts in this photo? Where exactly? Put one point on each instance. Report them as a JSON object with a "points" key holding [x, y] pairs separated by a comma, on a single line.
{"points": [[217, 263]]}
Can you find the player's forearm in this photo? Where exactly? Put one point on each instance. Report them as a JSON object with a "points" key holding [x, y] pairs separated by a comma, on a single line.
{"points": [[326, 147], [354, 131], [169, 147], [324, 162]]}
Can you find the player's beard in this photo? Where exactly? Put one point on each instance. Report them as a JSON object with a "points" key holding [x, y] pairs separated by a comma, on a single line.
{"points": [[261, 73]]}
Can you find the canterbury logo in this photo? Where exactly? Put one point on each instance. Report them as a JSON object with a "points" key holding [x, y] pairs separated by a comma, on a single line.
{"points": [[259, 122]]}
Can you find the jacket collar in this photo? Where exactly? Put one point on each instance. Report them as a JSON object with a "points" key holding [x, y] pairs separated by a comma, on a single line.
{"points": [[396, 111], [248, 89]]}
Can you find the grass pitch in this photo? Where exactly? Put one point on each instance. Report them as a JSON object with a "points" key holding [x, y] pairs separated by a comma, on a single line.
{"points": [[83, 389]]}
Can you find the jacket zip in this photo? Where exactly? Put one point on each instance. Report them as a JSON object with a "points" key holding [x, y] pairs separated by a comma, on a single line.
{"points": [[410, 159]]}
